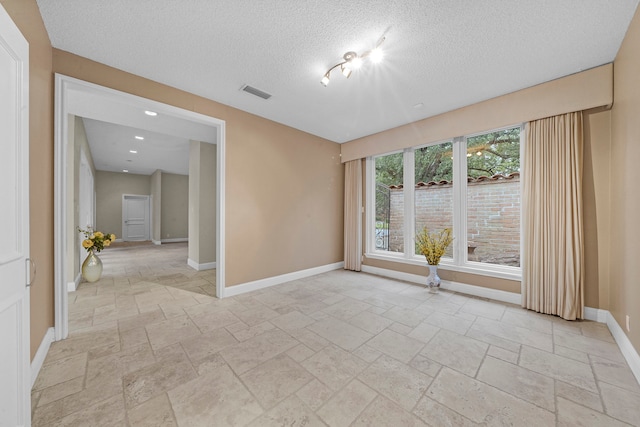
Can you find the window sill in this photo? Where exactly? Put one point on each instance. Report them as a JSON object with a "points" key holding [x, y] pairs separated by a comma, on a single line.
{"points": [[490, 270]]}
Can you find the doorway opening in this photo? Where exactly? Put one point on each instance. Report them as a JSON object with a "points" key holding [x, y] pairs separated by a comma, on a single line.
{"points": [[75, 97]]}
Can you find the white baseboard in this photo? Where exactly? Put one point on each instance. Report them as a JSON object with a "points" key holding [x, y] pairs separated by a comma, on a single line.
{"points": [[200, 267], [276, 280], [596, 314], [629, 353], [392, 274], [41, 354], [156, 242], [176, 240], [478, 291], [482, 292], [72, 286]]}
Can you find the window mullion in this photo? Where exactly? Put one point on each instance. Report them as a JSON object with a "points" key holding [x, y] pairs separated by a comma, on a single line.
{"points": [[370, 201], [521, 154], [409, 197], [459, 201]]}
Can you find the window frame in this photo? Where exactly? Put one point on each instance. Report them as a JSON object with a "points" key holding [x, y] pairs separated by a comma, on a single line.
{"points": [[459, 262]]}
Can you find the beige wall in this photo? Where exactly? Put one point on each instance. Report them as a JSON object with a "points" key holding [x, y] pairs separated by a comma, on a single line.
{"points": [[207, 203], [624, 265], [26, 15], [202, 202], [174, 206], [155, 187], [284, 187], [82, 143], [71, 202], [80, 146], [194, 204], [597, 211], [110, 186]]}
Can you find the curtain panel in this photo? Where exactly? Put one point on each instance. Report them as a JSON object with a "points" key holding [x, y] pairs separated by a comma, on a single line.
{"points": [[353, 215], [553, 241]]}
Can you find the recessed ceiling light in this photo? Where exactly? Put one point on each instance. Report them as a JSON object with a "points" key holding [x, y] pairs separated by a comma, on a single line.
{"points": [[140, 138], [125, 170], [151, 113], [133, 151]]}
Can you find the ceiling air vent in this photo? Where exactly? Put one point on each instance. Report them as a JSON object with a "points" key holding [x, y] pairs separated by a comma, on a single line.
{"points": [[256, 92]]}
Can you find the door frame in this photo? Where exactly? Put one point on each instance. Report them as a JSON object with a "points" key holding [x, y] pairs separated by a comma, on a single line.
{"points": [[70, 93], [147, 213]]}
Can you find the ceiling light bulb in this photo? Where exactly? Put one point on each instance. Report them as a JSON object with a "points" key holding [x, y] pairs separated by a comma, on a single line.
{"points": [[325, 80], [376, 55], [151, 113], [346, 70], [133, 151], [125, 170], [140, 138]]}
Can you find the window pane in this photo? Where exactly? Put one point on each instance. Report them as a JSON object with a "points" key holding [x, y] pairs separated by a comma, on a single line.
{"points": [[434, 189], [389, 225], [493, 197]]}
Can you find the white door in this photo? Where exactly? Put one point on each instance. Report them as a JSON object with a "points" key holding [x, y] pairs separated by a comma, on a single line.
{"points": [[15, 384], [135, 218]]}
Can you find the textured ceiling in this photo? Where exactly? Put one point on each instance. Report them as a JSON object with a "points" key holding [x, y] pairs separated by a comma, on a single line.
{"points": [[442, 54]]}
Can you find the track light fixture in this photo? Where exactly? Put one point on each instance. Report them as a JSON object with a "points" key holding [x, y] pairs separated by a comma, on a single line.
{"points": [[351, 61]]}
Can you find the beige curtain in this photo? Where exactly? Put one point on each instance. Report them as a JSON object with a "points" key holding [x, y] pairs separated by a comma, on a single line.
{"points": [[553, 242], [353, 215]]}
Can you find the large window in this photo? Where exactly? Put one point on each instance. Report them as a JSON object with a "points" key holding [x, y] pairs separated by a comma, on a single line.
{"points": [[493, 197], [470, 184], [433, 192], [389, 203]]}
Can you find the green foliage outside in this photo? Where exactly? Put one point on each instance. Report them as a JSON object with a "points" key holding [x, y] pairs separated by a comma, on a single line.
{"points": [[487, 155]]}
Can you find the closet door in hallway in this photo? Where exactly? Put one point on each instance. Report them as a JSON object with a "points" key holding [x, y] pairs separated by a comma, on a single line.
{"points": [[135, 218]]}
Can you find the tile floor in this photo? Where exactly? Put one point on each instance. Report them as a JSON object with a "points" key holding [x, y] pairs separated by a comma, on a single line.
{"points": [[150, 347]]}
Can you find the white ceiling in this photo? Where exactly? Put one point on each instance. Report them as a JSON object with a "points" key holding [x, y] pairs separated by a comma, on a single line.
{"points": [[111, 147], [112, 120], [442, 54]]}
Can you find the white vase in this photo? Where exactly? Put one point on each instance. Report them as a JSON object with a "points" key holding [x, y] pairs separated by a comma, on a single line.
{"points": [[92, 268], [433, 280]]}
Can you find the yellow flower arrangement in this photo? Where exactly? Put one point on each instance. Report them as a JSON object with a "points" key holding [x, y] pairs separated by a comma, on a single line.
{"points": [[433, 245], [96, 240]]}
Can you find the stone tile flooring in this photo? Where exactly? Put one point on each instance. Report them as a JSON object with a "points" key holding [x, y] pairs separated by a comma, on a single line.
{"points": [[149, 347]]}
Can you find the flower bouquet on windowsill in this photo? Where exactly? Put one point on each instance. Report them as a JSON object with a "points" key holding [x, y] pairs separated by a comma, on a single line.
{"points": [[433, 246], [94, 241]]}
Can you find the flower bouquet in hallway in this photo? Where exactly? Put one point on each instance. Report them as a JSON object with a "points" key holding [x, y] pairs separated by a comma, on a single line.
{"points": [[94, 241], [433, 246]]}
